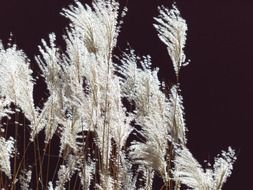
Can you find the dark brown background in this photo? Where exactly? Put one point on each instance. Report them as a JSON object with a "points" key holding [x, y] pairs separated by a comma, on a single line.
{"points": [[217, 85]]}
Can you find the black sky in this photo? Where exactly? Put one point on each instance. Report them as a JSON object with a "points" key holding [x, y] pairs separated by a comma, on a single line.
{"points": [[217, 85]]}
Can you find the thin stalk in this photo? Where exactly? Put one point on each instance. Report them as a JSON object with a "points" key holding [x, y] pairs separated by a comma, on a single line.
{"points": [[74, 182], [16, 147], [57, 165], [170, 157], [24, 142], [40, 163], [35, 164], [48, 161], [19, 166], [105, 119]]}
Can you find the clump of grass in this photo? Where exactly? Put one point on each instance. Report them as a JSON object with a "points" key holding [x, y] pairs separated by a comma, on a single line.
{"points": [[103, 125]]}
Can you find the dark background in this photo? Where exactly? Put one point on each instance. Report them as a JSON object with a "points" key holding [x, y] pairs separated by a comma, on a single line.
{"points": [[217, 86]]}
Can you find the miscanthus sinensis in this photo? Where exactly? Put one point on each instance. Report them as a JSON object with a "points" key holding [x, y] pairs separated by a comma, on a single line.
{"points": [[117, 126], [189, 172]]}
